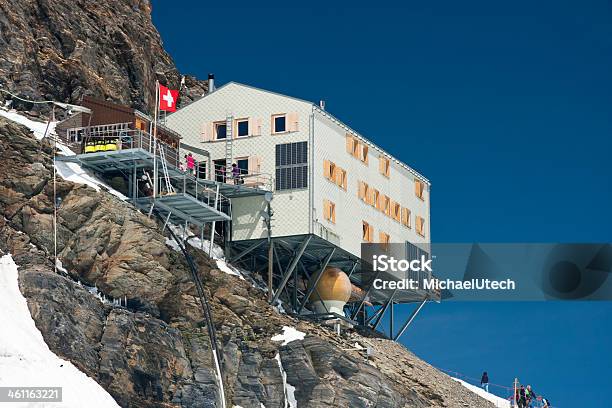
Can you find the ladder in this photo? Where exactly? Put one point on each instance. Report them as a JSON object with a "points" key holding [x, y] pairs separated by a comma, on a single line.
{"points": [[229, 138], [162, 157]]}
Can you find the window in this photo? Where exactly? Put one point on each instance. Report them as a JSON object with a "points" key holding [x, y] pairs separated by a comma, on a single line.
{"points": [[384, 204], [291, 166], [406, 217], [419, 188], [368, 232], [374, 198], [356, 148], [396, 211], [279, 123], [329, 211], [335, 174], [420, 225], [364, 154], [384, 166], [243, 127], [220, 130]]}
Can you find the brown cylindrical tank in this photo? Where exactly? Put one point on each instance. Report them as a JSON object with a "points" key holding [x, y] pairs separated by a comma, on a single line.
{"points": [[333, 291]]}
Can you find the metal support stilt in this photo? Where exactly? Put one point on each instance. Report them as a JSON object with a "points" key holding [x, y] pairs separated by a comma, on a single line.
{"points": [[166, 222], [314, 280], [384, 310], [410, 319], [212, 229], [365, 296], [247, 251], [291, 267]]}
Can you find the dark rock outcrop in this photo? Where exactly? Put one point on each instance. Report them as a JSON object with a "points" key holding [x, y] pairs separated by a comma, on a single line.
{"points": [[64, 49]]}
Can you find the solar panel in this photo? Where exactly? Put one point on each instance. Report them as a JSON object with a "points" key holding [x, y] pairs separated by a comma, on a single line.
{"points": [[291, 166]]}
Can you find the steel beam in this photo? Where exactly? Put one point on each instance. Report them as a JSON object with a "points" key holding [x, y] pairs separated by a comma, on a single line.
{"points": [[247, 251], [384, 310], [410, 319], [365, 297], [291, 267], [315, 279]]}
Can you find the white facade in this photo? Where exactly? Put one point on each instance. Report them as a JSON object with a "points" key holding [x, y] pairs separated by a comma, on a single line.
{"points": [[302, 211]]}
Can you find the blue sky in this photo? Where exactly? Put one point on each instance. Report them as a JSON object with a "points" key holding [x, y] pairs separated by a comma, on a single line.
{"points": [[505, 107]]}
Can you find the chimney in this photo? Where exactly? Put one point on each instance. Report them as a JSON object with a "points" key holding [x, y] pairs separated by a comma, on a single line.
{"points": [[211, 83], [322, 104]]}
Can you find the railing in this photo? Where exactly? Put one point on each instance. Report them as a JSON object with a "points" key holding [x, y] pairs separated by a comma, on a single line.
{"points": [[183, 184], [326, 233], [239, 176], [119, 137]]}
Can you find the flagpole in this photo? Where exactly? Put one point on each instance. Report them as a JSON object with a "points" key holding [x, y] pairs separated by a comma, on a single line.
{"points": [[155, 139]]}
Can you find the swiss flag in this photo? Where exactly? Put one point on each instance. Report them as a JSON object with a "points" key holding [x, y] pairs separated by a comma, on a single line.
{"points": [[167, 99]]}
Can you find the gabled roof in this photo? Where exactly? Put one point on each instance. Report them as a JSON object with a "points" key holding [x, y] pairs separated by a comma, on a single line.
{"points": [[316, 108]]}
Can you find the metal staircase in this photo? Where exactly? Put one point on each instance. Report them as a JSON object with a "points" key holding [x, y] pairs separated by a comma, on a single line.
{"points": [[162, 156]]}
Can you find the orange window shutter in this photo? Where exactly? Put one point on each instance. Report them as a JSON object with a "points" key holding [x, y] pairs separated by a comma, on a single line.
{"points": [[333, 213], [208, 131], [381, 165], [292, 118], [326, 169], [254, 126], [326, 209], [362, 189], [349, 143], [344, 180]]}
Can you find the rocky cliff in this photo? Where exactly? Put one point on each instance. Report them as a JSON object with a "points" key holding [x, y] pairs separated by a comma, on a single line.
{"points": [[155, 352], [64, 49]]}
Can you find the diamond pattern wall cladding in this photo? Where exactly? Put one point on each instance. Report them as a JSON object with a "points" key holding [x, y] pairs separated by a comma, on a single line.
{"points": [[295, 158]]}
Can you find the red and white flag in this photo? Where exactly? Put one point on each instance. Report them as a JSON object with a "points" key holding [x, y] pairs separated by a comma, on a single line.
{"points": [[167, 99]]}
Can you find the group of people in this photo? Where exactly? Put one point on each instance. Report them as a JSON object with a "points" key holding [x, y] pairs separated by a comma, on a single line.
{"points": [[525, 397], [190, 166]]}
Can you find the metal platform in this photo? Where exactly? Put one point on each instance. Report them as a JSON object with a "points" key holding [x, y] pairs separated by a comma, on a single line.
{"points": [[182, 207], [298, 264], [254, 254], [137, 158]]}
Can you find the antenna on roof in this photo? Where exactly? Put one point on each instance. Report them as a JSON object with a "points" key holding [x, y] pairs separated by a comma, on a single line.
{"points": [[322, 104]]}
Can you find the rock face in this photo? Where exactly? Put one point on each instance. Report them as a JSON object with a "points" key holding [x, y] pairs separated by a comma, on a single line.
{"points": [[64, 49], [155, 351]]}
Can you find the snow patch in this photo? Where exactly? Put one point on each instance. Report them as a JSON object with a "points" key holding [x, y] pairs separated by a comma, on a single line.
{"points": [[290, 401], [25, 358], [75, 173], [498, 401], [289, 334], [38, 128]]}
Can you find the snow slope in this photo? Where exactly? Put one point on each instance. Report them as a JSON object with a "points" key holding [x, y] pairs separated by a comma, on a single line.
{"points": [[25, 358], [498, 401], [37, 127]]}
